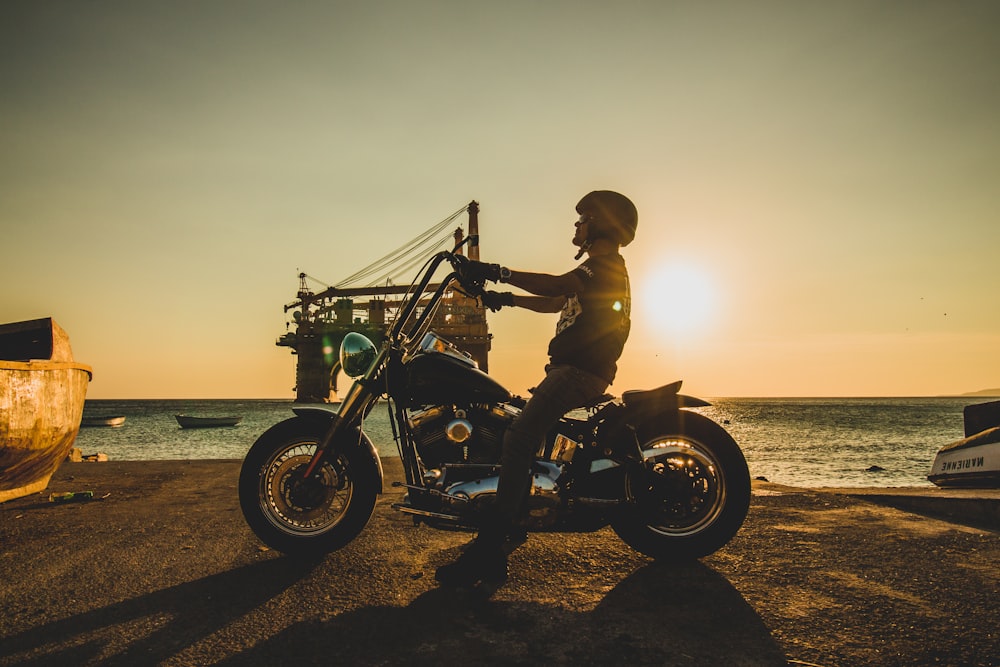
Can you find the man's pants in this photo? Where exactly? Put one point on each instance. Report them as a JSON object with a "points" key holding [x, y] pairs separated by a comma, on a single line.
{"points": [[563, 389]]}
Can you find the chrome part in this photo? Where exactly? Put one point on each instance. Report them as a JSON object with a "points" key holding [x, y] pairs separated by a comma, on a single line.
{"points": [[563, 449], [543, 502], [357, 354], [684, 490], [452, 435], [473, 490], [431, 342], [422, 417], [408, 509], [542, 505], [600, 465], [304, 506], [504, 411], [459, 430]]}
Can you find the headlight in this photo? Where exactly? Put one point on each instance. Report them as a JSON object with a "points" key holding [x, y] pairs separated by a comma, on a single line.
{"points": [[356, 354]]}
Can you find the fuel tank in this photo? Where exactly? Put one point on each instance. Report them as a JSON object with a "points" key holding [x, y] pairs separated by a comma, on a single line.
{"points": [[437, 377]]}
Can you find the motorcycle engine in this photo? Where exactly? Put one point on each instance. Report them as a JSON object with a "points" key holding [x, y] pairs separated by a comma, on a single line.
{"points": [[448, 434]]}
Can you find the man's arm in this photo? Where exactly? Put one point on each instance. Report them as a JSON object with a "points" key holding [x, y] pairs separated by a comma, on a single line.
{"points": [[546, 285], [540, 304]]}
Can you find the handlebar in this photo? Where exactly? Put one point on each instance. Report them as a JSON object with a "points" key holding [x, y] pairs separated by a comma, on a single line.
{"points": [[470, 282], [472, 286], [459, 265]]}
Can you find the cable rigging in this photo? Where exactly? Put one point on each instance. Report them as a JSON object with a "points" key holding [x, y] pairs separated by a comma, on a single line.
{"points": [[402, 259]]}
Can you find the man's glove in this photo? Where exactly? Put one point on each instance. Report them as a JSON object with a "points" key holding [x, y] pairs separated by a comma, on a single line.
{"points": [[479, 272], [496, 300]]}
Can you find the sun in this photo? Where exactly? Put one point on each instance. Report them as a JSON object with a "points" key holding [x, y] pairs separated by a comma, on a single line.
{"points": [[677, 299]]}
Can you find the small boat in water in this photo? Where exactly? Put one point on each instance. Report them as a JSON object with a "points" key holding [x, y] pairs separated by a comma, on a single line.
{"points": [[42, 391], [973, 461], [189, 421], [102, 420]]}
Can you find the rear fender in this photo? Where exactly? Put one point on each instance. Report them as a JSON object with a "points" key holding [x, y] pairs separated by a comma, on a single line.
{"points": [[642, 411], [368, 450], [663, 399]]}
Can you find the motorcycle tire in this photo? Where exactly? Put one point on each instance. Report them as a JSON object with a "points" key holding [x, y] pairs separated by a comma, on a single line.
{"points": [[691, 496], [306, 517]]}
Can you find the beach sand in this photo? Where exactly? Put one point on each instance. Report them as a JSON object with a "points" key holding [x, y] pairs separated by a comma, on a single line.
{"points": [[160, 568]]}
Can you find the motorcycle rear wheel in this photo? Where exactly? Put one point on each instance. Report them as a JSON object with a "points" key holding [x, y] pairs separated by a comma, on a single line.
{"points": [[299, 516], [693, 493]]}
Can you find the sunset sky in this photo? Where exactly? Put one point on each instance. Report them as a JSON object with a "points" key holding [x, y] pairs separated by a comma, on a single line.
{"points": [[821, 178]]}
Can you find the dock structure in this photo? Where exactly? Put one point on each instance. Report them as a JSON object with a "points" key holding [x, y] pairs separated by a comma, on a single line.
{"points": [[320, 320]]}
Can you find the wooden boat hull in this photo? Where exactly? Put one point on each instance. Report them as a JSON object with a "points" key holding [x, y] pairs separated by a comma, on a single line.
{"points": [[188, 421], [41, 403], [42, 391]]}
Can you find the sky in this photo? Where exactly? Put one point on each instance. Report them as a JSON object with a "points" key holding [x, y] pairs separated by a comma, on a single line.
{"points": [[818, 183]]}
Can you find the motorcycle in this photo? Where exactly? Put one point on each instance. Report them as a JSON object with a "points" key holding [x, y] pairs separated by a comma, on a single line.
{"points": [[670, 482]]}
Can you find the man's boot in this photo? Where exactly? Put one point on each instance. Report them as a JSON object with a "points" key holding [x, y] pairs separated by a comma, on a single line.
{"points": [[482, 565]]}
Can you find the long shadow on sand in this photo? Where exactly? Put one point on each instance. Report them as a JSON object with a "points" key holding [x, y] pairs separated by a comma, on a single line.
{"points": [[165, 621], [658, 615]]}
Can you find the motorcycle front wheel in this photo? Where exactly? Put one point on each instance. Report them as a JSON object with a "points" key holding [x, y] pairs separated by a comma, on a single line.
{"points": [[691, 495], [306, 516]]}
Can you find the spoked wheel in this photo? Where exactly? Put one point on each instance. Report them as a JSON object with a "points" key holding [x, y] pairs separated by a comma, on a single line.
{"points": [[305, 504], [296, 514], [691, 495]]}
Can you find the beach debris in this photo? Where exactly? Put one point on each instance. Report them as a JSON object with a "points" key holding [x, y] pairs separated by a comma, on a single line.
{"points": [[76, 456], [803, 663], [71, 497]]}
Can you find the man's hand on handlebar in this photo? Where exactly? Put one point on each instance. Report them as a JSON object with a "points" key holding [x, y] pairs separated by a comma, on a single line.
{"points": [[480, 272], [496, 300]]}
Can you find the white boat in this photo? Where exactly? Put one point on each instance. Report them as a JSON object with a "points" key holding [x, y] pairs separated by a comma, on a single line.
{"points": [[102, 420], [973, 461]]}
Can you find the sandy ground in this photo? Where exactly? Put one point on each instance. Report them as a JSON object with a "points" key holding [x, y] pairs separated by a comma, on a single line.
{"points": [[163, 570]]}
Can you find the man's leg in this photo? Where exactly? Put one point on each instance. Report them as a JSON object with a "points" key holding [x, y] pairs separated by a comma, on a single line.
{"points": [[563, 389]]}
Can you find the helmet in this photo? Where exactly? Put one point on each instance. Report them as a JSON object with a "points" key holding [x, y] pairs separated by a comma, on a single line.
{"points": [[612, 216]]}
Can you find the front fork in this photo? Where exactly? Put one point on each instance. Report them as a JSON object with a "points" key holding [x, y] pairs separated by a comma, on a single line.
{"points": [[356, 404]]}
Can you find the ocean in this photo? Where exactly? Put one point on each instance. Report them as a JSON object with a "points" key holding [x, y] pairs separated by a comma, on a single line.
{"points": [[810, 442]]}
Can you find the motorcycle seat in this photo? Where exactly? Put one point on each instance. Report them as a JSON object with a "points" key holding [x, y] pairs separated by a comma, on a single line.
{"points": [[656, 396]]}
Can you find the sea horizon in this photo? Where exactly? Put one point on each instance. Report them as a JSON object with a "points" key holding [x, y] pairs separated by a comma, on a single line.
{"points": [[808, 441], [993, 393]]}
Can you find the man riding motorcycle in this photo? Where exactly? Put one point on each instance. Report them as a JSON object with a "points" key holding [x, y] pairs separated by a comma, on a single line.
{"points": [[595, 302]]}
